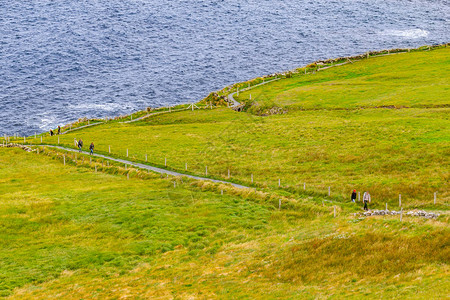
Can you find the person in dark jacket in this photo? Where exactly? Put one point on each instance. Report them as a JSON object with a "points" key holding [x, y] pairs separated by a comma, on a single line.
{"points": [[91, 147], [59, 129], [51, 132], [80, 144], [353, 198]]}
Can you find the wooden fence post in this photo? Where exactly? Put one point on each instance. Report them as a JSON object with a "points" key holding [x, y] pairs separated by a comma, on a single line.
{"points": [[145, 156], [329, 191], [304, 186], [64, 158], [279, 203], [359, 197], [334, 207], [165, 161], [252, 178], [109, 149], [279, 182], [185, 166], [206, 170], [399, 200], [127, 152], [435, 198]]}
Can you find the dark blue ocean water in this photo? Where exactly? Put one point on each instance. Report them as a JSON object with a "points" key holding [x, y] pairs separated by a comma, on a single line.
{"points": [[61, 60]]}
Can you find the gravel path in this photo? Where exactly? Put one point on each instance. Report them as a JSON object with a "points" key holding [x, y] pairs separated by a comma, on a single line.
{"points": [[147, 167]]}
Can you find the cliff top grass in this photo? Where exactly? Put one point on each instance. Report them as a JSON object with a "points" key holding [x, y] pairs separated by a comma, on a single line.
{"points": [[416, 79]]}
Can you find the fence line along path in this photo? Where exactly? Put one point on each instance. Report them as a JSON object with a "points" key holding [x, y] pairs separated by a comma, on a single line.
{"points": [[148, 167], [235, 104]]}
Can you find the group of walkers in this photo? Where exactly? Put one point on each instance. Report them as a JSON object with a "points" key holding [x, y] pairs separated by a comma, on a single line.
{"points": [[52, 133], [366, 198], [79, 144]]}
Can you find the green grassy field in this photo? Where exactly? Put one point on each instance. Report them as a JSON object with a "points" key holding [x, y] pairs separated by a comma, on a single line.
{"points": [[69, 232], [418, 79], [380, 124]]}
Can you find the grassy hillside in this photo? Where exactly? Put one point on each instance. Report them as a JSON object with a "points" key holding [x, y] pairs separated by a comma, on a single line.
{"points": [[382, 125], [70, 232]]}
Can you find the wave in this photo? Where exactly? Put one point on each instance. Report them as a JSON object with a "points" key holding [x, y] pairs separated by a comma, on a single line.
{"points": [[407, 33], [97, 107]]}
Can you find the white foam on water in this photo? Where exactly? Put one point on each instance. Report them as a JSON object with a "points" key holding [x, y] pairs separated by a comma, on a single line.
{"points": [[47, 121], [97, 107], [407, 33]]}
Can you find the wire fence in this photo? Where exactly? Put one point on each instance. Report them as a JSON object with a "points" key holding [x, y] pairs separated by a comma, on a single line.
{"points": [[327, 193]]}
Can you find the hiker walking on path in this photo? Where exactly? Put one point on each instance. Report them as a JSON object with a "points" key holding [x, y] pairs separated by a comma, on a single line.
{"points": [[353, 198], [80, 144], [91, 147], [366, 199], [59, 129]]}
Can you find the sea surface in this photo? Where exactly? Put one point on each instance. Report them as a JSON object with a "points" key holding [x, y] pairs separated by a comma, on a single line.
{"points": [[62, 60]]}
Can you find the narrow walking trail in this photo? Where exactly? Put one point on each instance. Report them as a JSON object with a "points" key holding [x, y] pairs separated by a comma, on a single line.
{"points": [[235, 103], [148, 167], [81, 127]]}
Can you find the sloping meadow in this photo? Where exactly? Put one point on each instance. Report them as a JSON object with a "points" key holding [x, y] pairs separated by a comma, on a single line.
{"points": [[68, 231]]}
